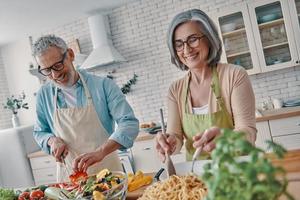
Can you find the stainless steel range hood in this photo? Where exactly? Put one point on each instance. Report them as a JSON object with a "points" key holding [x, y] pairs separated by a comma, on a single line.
{"points": [[104, 53]]}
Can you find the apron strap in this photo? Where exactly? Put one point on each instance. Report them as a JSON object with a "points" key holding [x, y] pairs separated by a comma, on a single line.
{"points": [[86, 90], [55, 99], [215, 88]]}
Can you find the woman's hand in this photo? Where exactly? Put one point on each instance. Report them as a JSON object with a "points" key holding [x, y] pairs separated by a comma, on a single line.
{"points": [[206, 139], [58, 147], [84, 161], [165, 143]]}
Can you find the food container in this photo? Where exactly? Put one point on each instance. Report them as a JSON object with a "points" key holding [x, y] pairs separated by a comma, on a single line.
{"points": [[115, 193], [228, 27]]}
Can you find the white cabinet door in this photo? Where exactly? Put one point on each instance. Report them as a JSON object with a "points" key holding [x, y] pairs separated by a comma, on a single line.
{"points": [[145, 157], [285, 126], [294, 8], [235, 29], [263, 134], [273, 33], [290, 142], [286, 131]]}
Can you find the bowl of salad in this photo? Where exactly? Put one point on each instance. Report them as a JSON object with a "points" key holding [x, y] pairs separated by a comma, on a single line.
{"points": [[106, 185]]}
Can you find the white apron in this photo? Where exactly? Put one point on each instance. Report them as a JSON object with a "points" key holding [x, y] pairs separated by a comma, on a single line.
{"points": [[83, 132]]}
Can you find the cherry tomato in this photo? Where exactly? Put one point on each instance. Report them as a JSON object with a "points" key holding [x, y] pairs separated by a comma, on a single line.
{"points": [[36, 195], [24, 196]]}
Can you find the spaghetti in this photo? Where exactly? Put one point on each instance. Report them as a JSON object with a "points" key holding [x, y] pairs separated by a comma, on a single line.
{"points": [[176, 188]]}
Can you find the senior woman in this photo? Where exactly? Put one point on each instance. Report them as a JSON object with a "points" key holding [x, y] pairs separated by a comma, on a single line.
{"points": [[210, 96]]}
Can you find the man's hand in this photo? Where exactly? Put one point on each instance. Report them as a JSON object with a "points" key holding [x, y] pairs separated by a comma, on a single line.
{"points": [[84, 161], [58, 148]]}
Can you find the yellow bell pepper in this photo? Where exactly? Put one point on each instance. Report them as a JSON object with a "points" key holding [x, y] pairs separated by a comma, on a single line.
{"points": [[102, 174], [139, 182], [98, 195]]}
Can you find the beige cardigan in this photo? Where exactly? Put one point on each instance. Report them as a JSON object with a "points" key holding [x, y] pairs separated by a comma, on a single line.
{"points": [[236, 91]]}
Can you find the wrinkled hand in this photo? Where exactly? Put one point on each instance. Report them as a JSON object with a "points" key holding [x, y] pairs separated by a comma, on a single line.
{"points": [[84, 161], [206, 139], [165, 143], [58, 148]]}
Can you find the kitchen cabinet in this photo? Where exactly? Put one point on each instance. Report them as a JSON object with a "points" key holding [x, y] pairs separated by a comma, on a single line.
{"points": [[263, 134], [285, 131], [145, 157], [260, 36], [43, 168]]}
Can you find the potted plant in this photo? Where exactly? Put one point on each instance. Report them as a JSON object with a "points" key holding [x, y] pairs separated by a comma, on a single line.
{"points": [[14, 104], [251, 178]]}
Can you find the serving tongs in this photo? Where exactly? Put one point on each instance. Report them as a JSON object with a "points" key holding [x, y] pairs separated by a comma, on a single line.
{"points": [[168, 162]]}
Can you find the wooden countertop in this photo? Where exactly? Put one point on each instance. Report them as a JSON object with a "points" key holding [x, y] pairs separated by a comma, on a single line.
{"points": [[37, 154], [279, 113]]}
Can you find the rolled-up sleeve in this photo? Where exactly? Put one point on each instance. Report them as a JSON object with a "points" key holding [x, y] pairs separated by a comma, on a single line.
{"points": [[41, 131], [127, 124]]}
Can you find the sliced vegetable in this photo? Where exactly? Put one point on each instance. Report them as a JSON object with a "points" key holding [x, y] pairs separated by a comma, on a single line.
{"points": [[139, 182], [98, 195], [53, 193], [78, 177], [102, 174]]}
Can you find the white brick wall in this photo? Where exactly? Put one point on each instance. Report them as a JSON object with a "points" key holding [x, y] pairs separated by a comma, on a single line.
{"points": [[5, 116], [139, 33]]}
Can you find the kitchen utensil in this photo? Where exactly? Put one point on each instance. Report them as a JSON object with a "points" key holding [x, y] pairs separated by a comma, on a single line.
{"points": [[65, 166], [169, 164], [195, 155]]}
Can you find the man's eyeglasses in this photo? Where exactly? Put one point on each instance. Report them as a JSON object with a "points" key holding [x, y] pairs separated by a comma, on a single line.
{"points": [[192, 41], [56, 67]]}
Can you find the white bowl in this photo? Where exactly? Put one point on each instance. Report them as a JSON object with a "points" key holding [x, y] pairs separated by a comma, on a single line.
{"points": [[228, 27]]}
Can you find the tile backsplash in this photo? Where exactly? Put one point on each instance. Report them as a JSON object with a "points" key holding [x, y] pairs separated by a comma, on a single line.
{"points": [[139, 34], [5, 116]]}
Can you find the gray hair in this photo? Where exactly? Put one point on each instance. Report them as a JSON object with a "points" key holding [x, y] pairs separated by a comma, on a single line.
{"points": [[43, 43], [208, 28]]}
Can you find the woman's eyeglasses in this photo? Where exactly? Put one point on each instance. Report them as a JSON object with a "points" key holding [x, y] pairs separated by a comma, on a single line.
{"points": [[56, 67], [192, 41]]}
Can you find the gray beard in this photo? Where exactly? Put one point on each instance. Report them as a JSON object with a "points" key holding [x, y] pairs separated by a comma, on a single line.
{"points": [[70, 82]]}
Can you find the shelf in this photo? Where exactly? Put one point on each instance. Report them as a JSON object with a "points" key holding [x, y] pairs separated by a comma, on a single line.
{"points": [[275, 45], [271, 23], [238, 54], [235, 32]]}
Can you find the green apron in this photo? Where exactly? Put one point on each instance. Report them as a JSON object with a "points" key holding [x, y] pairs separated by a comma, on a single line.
{"points": [[195, 123]]}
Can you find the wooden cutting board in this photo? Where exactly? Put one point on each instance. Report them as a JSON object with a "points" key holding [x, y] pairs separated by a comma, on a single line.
{"points": [[291, 163]]}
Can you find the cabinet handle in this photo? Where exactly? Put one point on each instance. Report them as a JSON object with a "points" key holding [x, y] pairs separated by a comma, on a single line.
{"points": [[50, 175], [47, 162], [147, 148], [298, 124]]}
